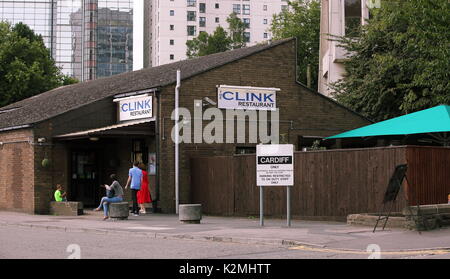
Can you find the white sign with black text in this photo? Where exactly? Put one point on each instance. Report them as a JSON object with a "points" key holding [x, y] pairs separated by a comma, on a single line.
{"points": [[275, 165]]}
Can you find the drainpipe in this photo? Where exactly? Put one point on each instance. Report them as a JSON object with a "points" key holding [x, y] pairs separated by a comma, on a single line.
{"points": [[158, 152], [177, 147]]}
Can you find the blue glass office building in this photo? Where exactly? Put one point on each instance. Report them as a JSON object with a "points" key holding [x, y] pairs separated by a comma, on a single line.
{"points": [[88, 38]]}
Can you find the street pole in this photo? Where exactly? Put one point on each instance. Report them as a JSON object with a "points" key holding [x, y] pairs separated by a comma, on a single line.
{"points": [[177, 142], [288, 206], [261, 206]]}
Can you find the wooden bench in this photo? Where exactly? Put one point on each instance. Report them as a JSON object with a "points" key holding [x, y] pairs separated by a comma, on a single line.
{"points": [[66, 208]]}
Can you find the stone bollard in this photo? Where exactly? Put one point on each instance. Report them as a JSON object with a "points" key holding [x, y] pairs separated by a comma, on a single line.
{"points": [[119, 211], [190, 213]]}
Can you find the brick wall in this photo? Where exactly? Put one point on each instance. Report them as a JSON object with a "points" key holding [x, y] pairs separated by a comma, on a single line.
{"points": [[17, 171], [302, 112], [311, 114]]}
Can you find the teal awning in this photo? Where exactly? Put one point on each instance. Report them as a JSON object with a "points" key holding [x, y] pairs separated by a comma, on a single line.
{"points": [[434, 120]]}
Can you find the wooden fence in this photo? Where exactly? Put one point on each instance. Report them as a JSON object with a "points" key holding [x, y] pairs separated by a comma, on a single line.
{"points": [[329, 185]]}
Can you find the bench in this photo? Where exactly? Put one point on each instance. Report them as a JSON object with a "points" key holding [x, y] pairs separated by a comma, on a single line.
{"points": [[66, 208], [190, 213], [119, 210]]}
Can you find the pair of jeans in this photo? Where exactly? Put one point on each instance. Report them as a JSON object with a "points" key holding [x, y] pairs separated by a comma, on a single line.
{"points": [[135, 209], [101, 202], [107, 201]]}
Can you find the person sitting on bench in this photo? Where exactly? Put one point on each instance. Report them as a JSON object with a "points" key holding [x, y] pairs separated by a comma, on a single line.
{"points": [[59, 196]]}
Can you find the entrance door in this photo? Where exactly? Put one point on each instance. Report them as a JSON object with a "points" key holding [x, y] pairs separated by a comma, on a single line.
{"points": [[85, 182]]}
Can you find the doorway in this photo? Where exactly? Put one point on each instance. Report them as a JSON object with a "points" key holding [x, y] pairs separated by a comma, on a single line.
{"points": [[85, 183]]}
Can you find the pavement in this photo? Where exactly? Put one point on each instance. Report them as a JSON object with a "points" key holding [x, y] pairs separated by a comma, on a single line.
{"points": [[302, 235]]}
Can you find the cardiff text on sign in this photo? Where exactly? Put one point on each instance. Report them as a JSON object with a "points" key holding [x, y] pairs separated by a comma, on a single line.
{"points": [[275, 165]]}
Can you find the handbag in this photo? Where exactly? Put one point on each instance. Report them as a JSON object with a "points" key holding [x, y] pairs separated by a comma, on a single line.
{"points": [[110, 193]]}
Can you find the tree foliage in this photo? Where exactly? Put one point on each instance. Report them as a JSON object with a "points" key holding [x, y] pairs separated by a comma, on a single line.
{"points": [[219, 41], [302, 21], [206, 44], [400, 61], [236, 29], [26, 66]]}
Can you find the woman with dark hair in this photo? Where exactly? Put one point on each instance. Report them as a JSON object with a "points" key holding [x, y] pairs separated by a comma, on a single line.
{"points": [[114, 195], [144, 196]]}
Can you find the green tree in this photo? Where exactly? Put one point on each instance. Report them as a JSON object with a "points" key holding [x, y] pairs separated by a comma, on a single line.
{"points": [[400, 61], [236, 28], [206, 44], [26, 67], [219, 41], [302, 21]]}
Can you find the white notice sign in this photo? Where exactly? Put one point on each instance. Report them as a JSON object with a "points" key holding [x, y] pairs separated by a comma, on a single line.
{"points": [[275, 165], [138, 107]]}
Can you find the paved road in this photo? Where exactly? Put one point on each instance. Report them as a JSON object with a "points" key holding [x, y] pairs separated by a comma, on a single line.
{"points": [[39, 243]]}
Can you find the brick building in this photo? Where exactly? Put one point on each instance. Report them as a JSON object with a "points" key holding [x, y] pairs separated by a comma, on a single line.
{"points": [[79, 130]]}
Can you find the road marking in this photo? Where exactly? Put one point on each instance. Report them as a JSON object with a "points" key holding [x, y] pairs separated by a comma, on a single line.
{"points": [[359, 252]]}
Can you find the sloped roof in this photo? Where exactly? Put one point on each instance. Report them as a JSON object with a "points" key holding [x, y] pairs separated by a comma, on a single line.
{"points": [[64, 99]]}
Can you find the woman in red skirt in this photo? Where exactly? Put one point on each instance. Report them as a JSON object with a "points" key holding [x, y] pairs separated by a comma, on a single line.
{"points": [[144, 196]]}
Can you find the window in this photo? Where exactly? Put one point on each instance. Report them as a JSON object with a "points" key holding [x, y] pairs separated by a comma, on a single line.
{"points": [[191, 30], [172, 12], [172, 27], [172, 42], [217, 6], [202, 8], [191, 3], [353, 15], [266, 35], [265, 8], [265, 21], [237, 9], [246, 22], [217, 20], [172, 57], [202, 21], [247, 37], [246, 9], [191, 16]]}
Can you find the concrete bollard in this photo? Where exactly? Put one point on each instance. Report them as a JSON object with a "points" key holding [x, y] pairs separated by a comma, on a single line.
{"points": [[119, 211], [190, 213]]}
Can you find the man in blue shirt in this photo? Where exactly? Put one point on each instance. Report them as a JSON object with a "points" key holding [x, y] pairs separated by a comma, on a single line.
{"points": [[135, 179]]}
